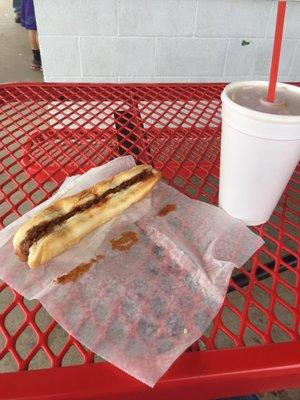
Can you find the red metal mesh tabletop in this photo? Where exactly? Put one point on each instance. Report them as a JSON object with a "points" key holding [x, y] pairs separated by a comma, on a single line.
{"points": [[50, 131]]}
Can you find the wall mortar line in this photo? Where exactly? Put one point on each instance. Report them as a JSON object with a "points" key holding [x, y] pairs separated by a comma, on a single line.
{"points": [[226, 57], [154, 56], [196, 18], [80, 58], [293, 57], [118, 18]]}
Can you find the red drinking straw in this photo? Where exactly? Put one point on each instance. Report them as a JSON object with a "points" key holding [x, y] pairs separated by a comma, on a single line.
{"points": [[276, 50]]}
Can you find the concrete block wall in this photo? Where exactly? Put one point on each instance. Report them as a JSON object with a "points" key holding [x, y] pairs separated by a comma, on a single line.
{"points": [[164, 40]]}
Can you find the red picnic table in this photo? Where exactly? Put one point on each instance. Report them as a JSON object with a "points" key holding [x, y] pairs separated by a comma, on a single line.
{"points": [[50, 131]]}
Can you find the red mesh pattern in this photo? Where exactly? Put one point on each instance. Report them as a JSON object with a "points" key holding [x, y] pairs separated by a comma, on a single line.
{"points": [[51, 131]]}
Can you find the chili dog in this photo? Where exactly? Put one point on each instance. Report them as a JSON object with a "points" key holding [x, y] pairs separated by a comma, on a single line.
{"points": [[68, 220]]}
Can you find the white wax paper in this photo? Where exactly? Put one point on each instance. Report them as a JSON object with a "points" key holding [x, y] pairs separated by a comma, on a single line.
{"points": [[139, 309]]}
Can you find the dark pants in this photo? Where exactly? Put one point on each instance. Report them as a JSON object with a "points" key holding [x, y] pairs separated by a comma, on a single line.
{"points": [[17, 6]]}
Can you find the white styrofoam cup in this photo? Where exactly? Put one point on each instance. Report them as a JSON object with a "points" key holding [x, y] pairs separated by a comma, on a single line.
{"points": [[259, 152]]}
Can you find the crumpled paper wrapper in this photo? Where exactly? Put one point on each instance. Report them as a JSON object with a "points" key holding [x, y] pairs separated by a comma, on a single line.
{"points": [[152, 279]]}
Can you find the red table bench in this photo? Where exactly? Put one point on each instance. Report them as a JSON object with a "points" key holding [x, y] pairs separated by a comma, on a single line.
{"points": [[50, 131]]}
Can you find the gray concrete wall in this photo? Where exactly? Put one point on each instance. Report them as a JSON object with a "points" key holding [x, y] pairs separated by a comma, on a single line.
{"points": [[164, 40]]}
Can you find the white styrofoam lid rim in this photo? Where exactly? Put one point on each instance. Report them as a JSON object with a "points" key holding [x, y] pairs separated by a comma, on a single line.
{"points": [[290, 119]]}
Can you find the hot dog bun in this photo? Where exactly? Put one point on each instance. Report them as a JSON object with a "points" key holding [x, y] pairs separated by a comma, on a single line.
{"points": [[67, 221]]}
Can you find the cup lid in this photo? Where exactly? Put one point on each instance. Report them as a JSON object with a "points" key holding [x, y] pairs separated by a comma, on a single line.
{"points": [[258, 123]]}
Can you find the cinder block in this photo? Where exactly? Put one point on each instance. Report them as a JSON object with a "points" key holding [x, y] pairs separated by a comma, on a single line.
{"points": [[264, 55], [295, 67], [116, 56], [98, 56], [135, 79], [79, 79], [135, 56], [223, 18], [98, 17], [157, 17], [281, 78], [48, 78], [76, 17], [291, 23], [240, 57], [57, 18], [187, 56], [201, 79], [99, 79], [60, 55]]}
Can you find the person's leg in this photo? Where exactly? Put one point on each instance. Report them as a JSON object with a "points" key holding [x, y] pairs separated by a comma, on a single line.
{"points": [[29, 22], [34, 44], [32, 35]]}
